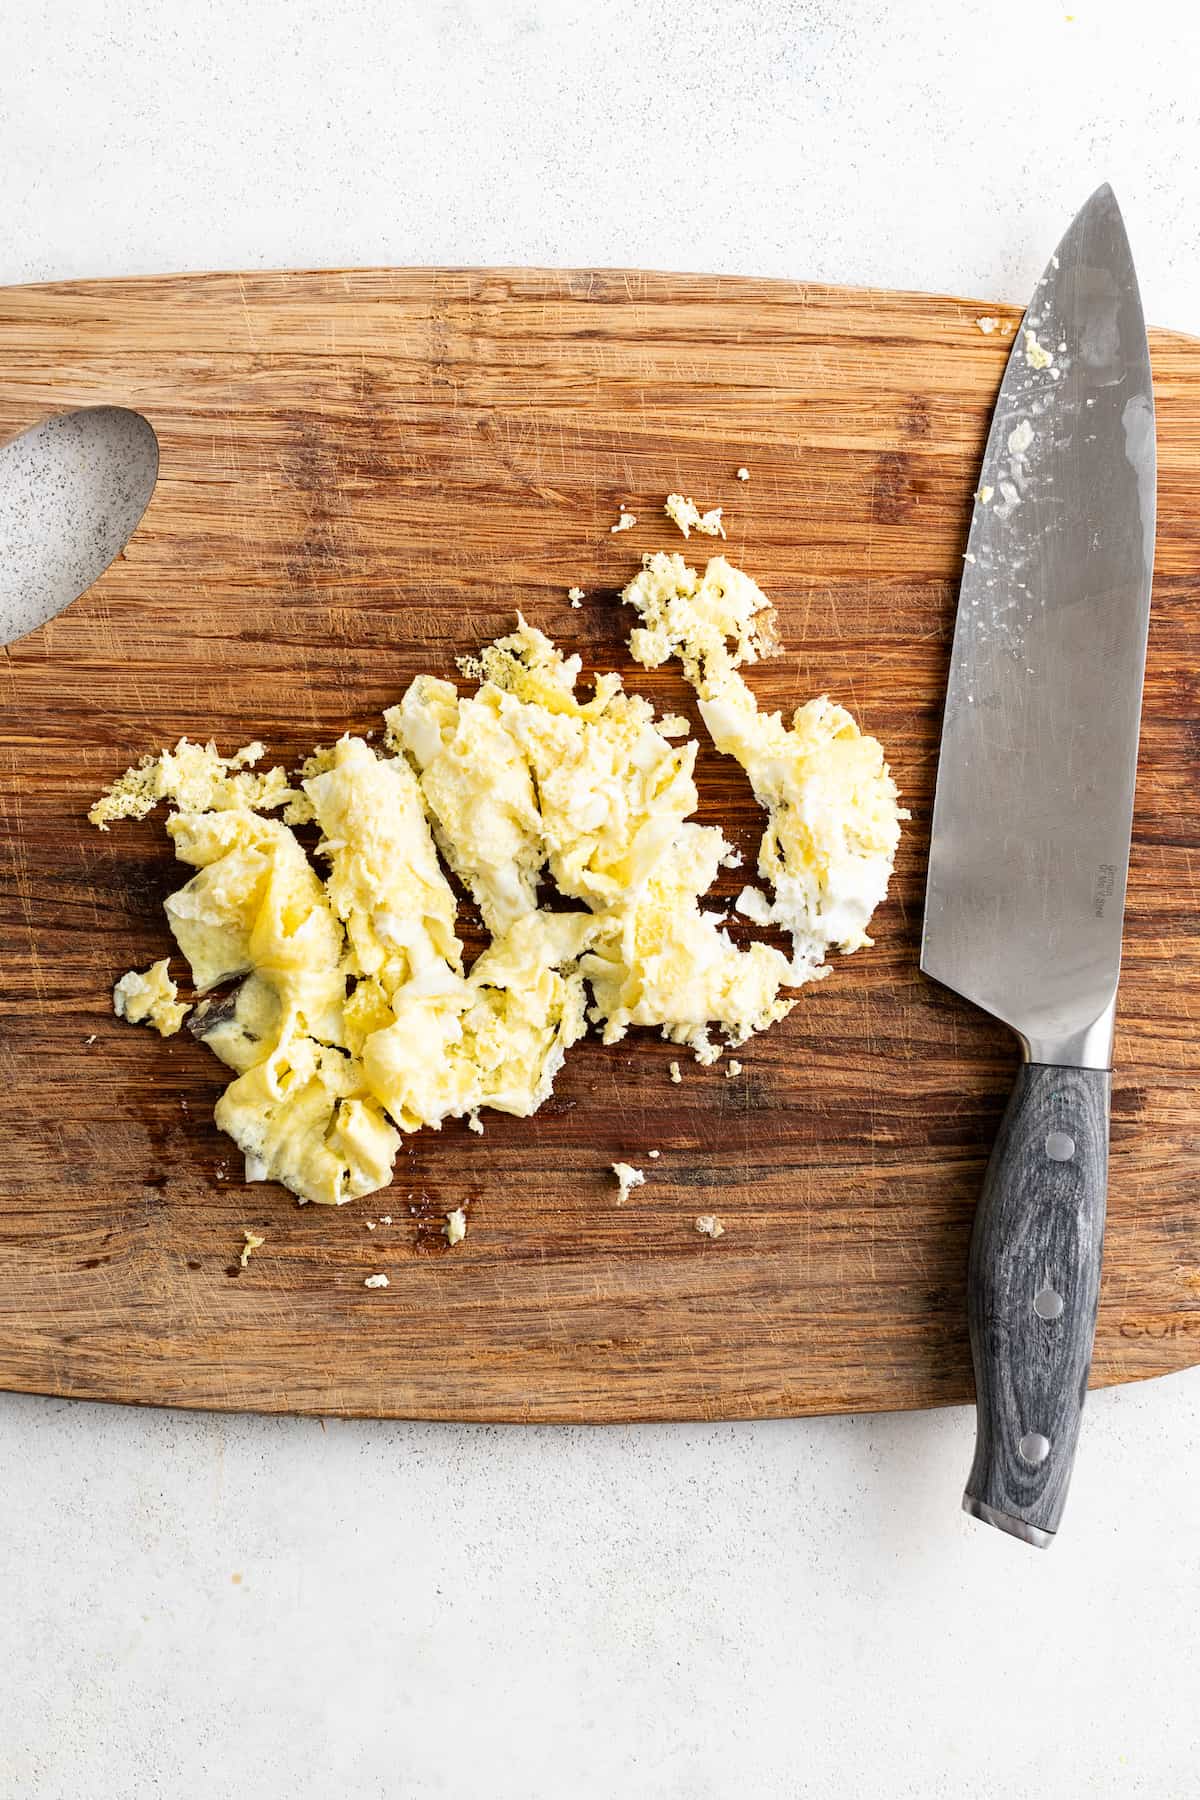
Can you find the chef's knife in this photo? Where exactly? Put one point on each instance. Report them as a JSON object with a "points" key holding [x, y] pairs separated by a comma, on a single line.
{"points": [[1031, 827]]}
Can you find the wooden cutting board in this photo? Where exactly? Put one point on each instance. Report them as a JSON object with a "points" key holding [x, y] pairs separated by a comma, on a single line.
{"points": [[362, 475]]}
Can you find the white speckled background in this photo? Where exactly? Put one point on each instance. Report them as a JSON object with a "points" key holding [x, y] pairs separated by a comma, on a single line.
{"points": [[198, 1606]]}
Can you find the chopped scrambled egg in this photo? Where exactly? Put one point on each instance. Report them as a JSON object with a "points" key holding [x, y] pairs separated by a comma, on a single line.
{"points": [[150, 999], [687, 515], [625, 522], [662, 961], [376, 1281], [455, 1226], [833, 822], [196, 779], [708, 1225], [333, 985], [694, 617]]}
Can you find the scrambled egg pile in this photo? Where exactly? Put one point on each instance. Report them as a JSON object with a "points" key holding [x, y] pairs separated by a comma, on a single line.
{"points": [[340, 1002]]}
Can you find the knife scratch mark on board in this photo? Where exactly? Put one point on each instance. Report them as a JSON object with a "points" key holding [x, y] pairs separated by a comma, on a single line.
{"points": [[246, 314]]}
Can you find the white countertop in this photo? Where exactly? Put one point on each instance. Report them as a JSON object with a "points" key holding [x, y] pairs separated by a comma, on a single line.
{"points": [[194, 1606]]}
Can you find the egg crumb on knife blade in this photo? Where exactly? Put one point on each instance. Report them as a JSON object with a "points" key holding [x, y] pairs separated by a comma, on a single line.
{"points": [[333, 985]]}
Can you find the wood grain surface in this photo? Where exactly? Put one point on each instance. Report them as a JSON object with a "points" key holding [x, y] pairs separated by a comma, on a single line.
{"points": [[362, 475]]}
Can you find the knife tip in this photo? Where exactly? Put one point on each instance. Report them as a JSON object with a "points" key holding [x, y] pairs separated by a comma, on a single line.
{"points": [[1102, 199]]}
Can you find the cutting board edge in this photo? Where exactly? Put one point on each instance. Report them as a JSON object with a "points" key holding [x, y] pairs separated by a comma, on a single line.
{"points": [[513, 1414], [980, 305]]}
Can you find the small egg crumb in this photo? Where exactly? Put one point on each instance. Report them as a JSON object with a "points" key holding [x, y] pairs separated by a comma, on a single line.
{"points": [[733, 1068], [654, 1155], [626, 522], [983, 494], [475, 1123], [628, 1178], [675, 1074], [687, 515], [149, 997], [987, 325], [743, 474], [456, 1226], [385, 1218], [708, 1225], [89, 1040], [1020, 438], [253, 1243], [1036, 355], [376, 1281], [370, 1224], [575, 596]]}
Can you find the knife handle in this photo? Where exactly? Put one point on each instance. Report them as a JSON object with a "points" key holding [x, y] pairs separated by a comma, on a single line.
{"points": [[1032, 1286]]}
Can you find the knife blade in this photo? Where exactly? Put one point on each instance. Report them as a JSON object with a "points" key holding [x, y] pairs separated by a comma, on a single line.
{"points": [[1032, 818]]}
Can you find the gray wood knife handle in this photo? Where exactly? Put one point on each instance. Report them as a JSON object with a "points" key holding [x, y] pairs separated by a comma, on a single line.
{"points": [[1033, 1283]]}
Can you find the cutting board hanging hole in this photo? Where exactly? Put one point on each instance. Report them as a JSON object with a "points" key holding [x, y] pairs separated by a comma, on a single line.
{"points": [[73, 489]]}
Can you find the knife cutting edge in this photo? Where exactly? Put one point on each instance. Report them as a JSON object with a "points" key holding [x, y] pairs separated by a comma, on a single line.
{"points": [[1031, 832]]}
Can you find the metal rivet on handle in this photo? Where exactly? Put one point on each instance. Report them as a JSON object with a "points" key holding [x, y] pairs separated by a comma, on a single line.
{"points": [[1047, 1304], [1060, 1146], [1034, 1447]]}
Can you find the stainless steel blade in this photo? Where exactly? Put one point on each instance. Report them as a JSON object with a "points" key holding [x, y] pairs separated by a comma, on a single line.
{"points": [[1031, 825]]}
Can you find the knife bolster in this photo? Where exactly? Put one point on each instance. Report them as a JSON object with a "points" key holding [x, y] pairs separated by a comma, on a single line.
{"points": [[1083, 1047]]}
